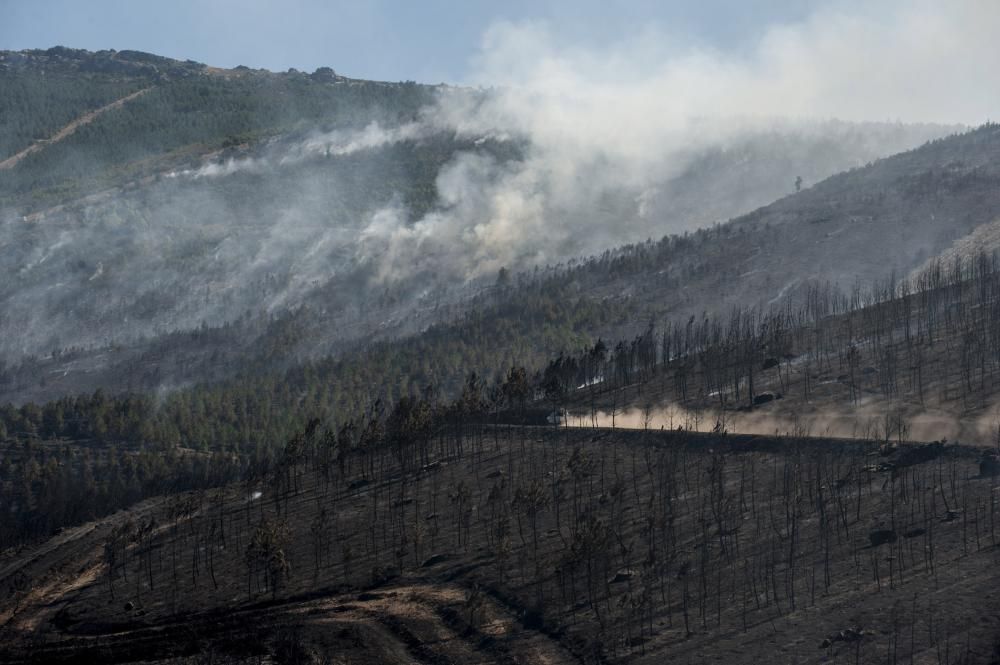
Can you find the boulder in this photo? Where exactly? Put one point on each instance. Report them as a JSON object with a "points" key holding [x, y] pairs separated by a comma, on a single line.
{"points": [[324, 75], [622, 575], [434, 560]]}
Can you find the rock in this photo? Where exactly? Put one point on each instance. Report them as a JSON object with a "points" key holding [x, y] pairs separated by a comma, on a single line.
{"points": [[850, 635], [845, 635], [434, 560], [622, 575], [324, 75]]}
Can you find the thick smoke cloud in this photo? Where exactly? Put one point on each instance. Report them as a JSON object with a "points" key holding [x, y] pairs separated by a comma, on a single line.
{"points": [[916, 61], [611, 130]]}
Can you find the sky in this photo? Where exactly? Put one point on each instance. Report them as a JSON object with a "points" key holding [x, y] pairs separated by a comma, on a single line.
{"points": [[430, 41]]}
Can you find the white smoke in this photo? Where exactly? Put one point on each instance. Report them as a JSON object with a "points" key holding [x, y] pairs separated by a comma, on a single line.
{"points": [[336, 143], [608, 127], [347, 142], [607, 146]]}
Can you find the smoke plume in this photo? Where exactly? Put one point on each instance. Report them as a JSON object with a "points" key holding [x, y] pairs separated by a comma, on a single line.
{"points": [[570, 151], [616, 134]]}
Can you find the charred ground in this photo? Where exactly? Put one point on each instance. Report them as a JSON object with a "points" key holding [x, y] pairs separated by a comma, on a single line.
{"points": [[522, 544]]}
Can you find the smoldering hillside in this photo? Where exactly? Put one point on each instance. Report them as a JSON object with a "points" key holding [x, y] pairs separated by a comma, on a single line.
{"points": [[416, 211]]}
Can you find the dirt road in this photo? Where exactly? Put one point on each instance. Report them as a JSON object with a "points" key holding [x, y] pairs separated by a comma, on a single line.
{"points": [[68, 130]]}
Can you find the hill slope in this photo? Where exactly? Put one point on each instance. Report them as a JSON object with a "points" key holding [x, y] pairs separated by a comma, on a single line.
{"points": [[218, 193], [298, 445], [533, 545]]}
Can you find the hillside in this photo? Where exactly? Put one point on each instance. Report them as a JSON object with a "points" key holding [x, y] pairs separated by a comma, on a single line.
{"points": [[908, 360], [229, 198], [302, 368], [189, 109], [917, 357], [534, 545], [847, 231]]}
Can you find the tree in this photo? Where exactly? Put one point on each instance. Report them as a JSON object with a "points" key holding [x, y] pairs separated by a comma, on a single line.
{"points": [[265, 554]]}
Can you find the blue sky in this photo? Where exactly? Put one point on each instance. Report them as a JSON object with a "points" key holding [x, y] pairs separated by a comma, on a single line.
{"points": [[912, 60], [430, 41]]}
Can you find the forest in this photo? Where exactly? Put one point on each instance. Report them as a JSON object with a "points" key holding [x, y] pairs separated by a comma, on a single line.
{"points": [[185, 104], [610, 542], [442, 535], [269, 392]]}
